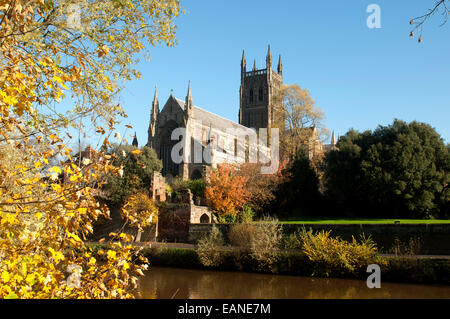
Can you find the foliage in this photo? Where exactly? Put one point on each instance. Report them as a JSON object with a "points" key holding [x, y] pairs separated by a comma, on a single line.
{"points": [[47, 200], [241, 235], [260, 240], [140, 210], [137, 170], [209, 248], [411, 247], [262, 187], [299, 194], [265, 243], [337, 256], [226, 191], [197, 187], [246, 215], [400, 170], [295, 114]]}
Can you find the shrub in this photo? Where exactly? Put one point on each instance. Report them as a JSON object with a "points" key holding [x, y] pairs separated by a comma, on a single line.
{"points": [[292, 241], [246, 215], [412, 247], [260, 241], [334, 256], [265, 243], [210, 247], [197, 188], [241, 236], [226, 219]]}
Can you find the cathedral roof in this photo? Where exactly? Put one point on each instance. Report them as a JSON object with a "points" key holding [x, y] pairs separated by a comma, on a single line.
{"points": [[213, 120]]}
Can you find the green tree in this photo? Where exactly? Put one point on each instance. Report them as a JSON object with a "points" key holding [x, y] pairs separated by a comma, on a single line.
{"points": [[137, 172], [400, 170], [299, 194]]}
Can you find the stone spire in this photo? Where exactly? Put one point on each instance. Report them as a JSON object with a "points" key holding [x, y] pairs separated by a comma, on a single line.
{"points": [[153, 119], [189, 104], [135, 141], [254, 65], [243, 66], [333, 139], [269, 59], [280, 66]]}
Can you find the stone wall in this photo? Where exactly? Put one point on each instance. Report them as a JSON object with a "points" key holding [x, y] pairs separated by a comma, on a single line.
{"points": [[158, 187], [434, 238], [173, 223], [200, 215]]}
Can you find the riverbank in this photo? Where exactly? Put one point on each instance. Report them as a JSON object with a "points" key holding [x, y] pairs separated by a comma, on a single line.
{"points": [[400, 269]]}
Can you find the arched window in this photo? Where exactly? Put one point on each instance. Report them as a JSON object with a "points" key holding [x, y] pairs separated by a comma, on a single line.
{"points": [[261, 94], [251, 95], [196, 174], [204, 219]]}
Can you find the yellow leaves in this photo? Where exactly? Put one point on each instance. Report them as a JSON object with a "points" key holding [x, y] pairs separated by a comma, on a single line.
{"points": [[56, 255], [74, 237], [92, 261], [30, 279], [56, 169], [76, 177], [31, 75], [111, 254], [5, 276], [54, 137], [136, 152], [9, 218], [103, 50], [56, 187]]}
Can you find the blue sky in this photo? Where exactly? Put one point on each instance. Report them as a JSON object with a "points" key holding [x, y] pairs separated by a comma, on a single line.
{"points": [[360, 77]]}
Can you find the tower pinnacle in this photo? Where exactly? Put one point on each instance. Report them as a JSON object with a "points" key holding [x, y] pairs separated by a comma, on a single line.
{"points": [[269, 58], [280, 66]]}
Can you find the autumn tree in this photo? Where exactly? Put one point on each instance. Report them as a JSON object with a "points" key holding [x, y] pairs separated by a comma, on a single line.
{"points": [[296, 114], [226, 191], [48, 49], [262, 187]]}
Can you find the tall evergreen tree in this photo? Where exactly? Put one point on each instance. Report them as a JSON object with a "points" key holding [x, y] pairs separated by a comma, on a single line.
{"points": [[400, 170], [299, 195]]}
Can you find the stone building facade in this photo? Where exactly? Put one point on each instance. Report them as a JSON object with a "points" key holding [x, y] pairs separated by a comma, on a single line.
{"points": [[210, 139]]}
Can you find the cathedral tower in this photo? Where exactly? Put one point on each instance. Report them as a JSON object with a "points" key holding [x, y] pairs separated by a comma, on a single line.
{"points": [[256, 91]]}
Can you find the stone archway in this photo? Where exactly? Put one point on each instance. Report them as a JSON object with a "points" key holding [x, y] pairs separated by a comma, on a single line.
{"points": [[196, 174], [204, 219]]}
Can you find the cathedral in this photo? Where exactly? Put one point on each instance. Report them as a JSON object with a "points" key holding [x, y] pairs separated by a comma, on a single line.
{"points": [[207, 139]]}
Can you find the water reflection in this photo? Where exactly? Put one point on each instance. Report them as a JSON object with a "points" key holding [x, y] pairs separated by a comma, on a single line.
{"points": [[165, 283]]}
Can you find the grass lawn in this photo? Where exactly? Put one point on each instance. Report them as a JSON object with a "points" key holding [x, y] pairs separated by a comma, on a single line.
{"points": [[332, 220]]}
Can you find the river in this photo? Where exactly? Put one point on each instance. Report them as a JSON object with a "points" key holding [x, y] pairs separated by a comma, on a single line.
{"points": [[166, 283]]}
